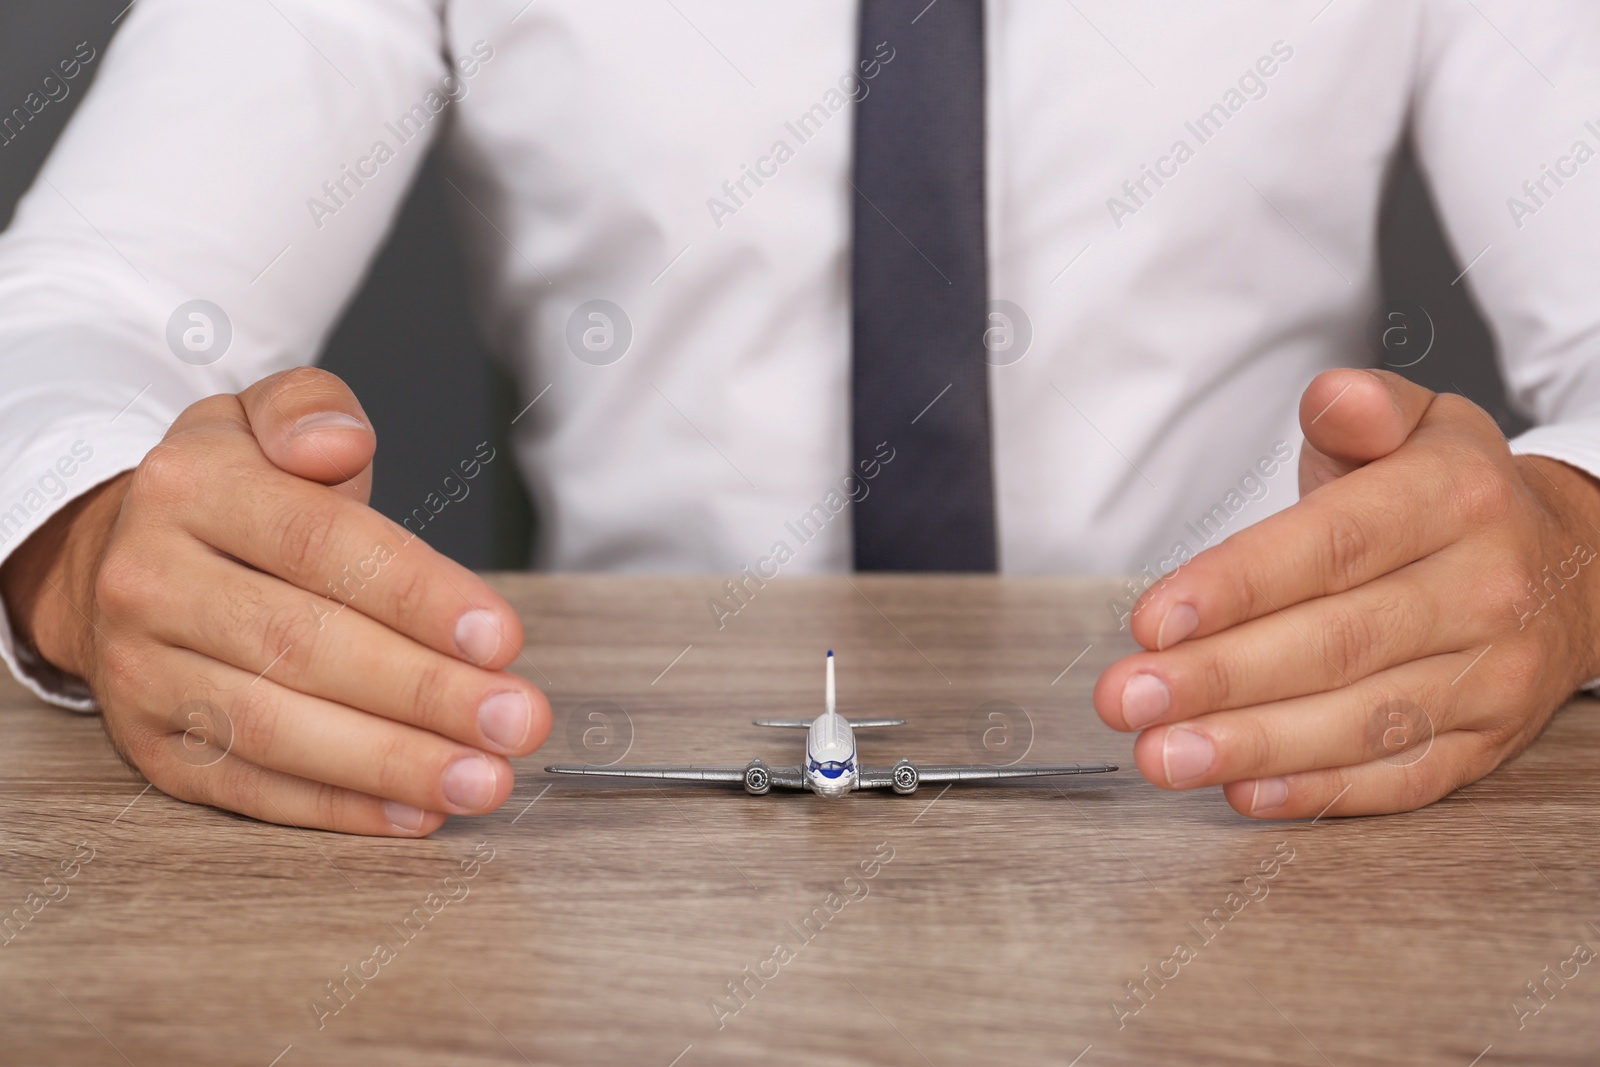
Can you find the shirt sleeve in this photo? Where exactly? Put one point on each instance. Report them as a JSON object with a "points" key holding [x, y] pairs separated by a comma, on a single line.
{"points": [[204, 217], [1509, 138]]}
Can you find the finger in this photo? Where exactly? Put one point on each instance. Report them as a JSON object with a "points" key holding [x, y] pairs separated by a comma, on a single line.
{"points": [[310, 424], [1386, 715], [1380, 787], [206, 773], [274, 797], [1452, 476], [277, 728], [258, 623], [1420, 610], [1352, 417], [313, 538]]}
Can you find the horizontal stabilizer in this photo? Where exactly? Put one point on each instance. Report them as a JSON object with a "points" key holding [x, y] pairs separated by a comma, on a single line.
{"points": [[804, 724]]}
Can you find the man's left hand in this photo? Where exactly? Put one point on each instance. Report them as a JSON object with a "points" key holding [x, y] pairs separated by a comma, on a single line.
{"points": [[1412, 622]]}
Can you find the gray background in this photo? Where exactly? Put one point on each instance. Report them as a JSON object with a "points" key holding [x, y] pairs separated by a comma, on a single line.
{"points": [[407, 347]]}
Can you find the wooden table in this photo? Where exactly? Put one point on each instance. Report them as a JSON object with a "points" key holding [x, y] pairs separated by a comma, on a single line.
{"points": [[603, 922]]}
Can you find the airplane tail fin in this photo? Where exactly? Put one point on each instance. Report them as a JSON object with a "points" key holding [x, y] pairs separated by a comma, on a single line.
{"points": [[831, 701]]}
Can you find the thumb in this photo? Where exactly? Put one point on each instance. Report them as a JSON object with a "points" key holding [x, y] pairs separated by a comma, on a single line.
{"points": [[310, 424], [1352, 417]]}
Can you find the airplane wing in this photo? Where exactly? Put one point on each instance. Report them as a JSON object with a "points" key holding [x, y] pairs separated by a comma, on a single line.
{"points": [[756, 776], [904, 777], [804, 724]]}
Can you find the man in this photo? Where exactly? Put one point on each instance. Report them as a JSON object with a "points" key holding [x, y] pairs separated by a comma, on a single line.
{"points": [[1032, 286]]}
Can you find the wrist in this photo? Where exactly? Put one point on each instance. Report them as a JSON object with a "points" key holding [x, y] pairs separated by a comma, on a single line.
{"points": [[48, 582]]}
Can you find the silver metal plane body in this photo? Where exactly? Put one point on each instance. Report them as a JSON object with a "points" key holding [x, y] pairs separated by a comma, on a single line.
{"points": [[831, 767]]}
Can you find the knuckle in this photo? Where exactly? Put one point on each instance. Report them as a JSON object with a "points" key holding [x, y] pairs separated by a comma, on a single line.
{"points": [[167, 476], [1422, 782], [394, 768], [1507, 737], [305, 387], [243, 606], [305, 536], [188, 787], [237, 788], [303, 378], [145, 750], [1432, 697], [328, 804], [1483, 493], [1220, 677], [1344, 551], [120, 674], [150, 751], [411, 592], [1250, 747], [1458, 408], [1349, 636], [253, 718], [427, 697], [1419, 787], [1394, 723], [125, 583], [1504, 588], [1501, 733], [227, 784], [1270, 748], [1521, 667], [288, 631], [1474, 761]]}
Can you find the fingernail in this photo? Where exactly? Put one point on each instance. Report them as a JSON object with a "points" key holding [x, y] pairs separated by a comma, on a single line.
{"points": [[403, 816], [1145, 698], [328, 420], [1186, 755], [506, 718], [1270, 793], [1181, 621], [477, 636], [470, 783]]}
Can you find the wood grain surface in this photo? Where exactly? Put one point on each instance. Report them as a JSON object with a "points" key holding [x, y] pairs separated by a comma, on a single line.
{"points": [[591, 922]]}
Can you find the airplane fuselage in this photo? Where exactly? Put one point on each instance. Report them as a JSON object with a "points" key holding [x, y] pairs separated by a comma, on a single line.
{"points": [[831, 768]]}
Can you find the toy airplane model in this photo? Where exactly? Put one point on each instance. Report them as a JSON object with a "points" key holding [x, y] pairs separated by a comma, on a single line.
{"points": [[831, 769]]}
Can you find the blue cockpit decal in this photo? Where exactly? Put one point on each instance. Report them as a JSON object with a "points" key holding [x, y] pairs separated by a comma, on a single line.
{"points": [[832, 768]]}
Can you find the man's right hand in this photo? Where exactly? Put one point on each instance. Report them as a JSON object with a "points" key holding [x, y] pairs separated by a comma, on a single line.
{"points": [[261, 640]]}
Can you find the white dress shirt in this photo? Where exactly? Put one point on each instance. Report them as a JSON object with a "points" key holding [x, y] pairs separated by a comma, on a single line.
{"points": [[1182, 202]]}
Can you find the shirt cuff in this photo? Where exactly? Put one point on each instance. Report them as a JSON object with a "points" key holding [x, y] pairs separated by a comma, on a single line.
{"points": [[1575, 443]]}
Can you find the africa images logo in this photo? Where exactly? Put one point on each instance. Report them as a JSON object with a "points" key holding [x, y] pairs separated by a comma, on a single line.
{"points": [[199, 332]]}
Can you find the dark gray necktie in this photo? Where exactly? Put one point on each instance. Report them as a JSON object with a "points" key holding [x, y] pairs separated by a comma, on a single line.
{"points": [[919, 381]]}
